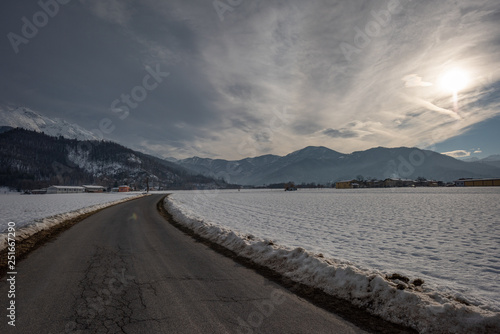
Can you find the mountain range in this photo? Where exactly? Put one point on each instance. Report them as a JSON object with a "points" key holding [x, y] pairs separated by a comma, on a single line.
{"points": [[323, 165], [108, 163]]}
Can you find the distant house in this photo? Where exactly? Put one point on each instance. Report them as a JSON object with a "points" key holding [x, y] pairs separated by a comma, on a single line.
{"points": [[290, 186], [478, 182], [374, 184], [389, 183], [347, 184], [39, 191], [123, 189], [93, 189], [432, 183], [408, 183], [65, 190]]}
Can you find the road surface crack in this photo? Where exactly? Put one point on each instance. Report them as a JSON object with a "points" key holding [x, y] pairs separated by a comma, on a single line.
{"points": [[108, 295]]}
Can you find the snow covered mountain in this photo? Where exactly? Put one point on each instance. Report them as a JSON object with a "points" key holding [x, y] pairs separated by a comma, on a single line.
{"points": [[323, 165], [492, 160], [494, 157], [22, 117], [471, 159]]}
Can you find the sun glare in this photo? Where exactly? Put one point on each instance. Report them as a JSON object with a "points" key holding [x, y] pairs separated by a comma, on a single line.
{"points": [[454, 80]]}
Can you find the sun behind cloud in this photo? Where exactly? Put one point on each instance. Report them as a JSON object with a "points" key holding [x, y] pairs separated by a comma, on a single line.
{"points": [[454, 80]]}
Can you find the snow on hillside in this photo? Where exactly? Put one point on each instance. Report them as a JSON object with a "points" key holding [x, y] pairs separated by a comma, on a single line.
{"points": [[448, 237], [494, 157], [26, 118], [32, 213], [96, 168]]}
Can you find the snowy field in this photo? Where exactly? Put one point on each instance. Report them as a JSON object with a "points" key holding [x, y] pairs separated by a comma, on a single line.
{"points": [[34, 212], [450, 237]]}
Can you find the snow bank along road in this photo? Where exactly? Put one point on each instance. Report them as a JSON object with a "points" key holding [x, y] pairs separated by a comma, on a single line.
{"points": [[127, 270], [395, 238]]}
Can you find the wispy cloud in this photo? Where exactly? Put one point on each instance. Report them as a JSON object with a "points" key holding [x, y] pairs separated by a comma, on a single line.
{"points": [[229, 77], [116, 11], [413, 80], [342, 133], [286, 58], [457, 154]]}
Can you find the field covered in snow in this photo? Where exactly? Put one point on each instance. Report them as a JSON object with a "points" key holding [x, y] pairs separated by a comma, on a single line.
{"points": [[34, 212], [449, 237]]}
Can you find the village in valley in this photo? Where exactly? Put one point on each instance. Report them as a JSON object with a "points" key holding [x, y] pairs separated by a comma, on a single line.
{"points": [[357, 183], [361, 182], [419, 182]]}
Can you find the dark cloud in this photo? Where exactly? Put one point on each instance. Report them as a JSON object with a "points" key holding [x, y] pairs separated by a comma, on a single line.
{"points": [[342, 133], [242, 91], [262, 137], [227, 78]]}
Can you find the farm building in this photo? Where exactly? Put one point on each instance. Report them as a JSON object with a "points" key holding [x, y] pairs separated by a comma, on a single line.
{"points": [[478, 182], [65, 190], [93, 189], [123, 189], [391, 182], [347, 184]]}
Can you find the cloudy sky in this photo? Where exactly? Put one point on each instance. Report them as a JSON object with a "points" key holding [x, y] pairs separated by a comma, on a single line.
{"points": [[238, 78]]}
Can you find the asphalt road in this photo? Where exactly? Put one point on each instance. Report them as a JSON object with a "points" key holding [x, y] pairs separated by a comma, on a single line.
{"points": [[127, 270]]}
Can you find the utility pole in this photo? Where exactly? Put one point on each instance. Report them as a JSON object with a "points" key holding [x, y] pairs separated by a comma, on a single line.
{"points": [[147, 184]]}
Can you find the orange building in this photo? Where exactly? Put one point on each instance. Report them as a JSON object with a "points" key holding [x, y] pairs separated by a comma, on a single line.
{"points": [[123, 189], [350, 184], [482, 183]]}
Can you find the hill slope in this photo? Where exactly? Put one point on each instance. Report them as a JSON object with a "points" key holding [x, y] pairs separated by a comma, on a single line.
{"points": [[29, 160]]}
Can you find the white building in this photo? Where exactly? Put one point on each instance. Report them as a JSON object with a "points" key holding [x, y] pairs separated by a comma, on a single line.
{"points": [[64, 190]]}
